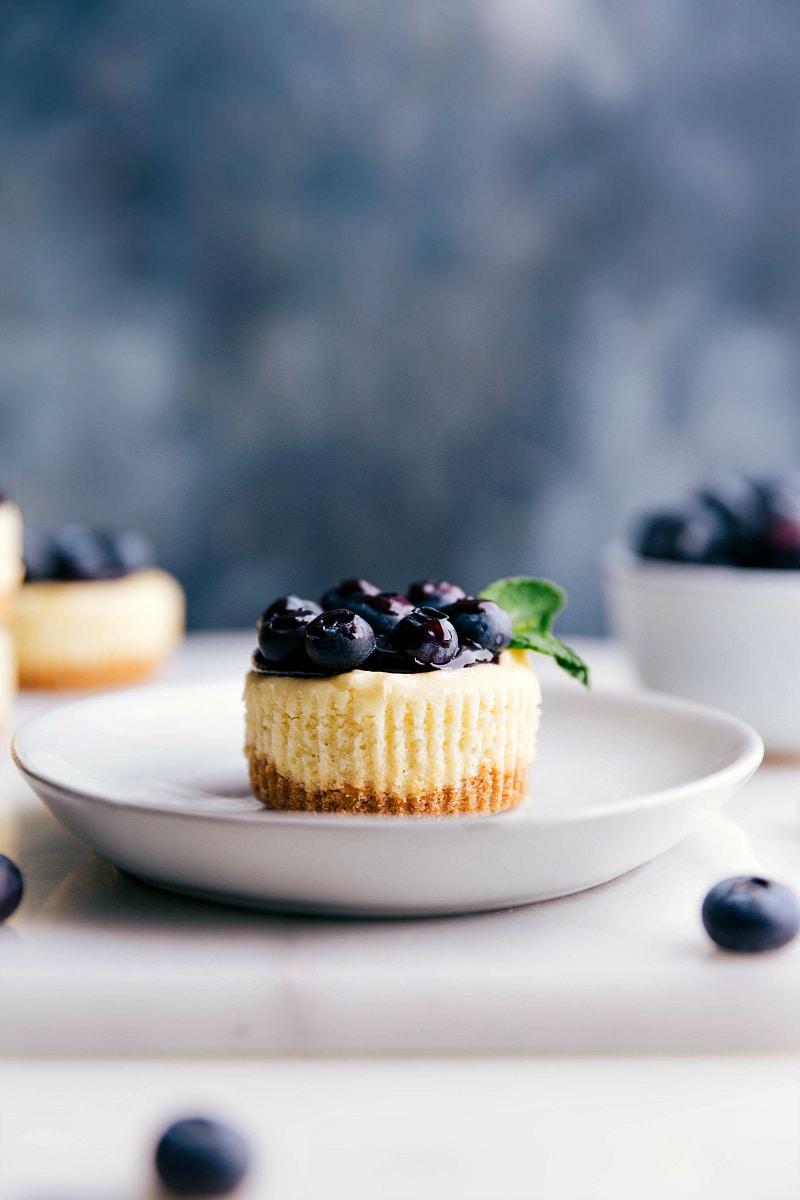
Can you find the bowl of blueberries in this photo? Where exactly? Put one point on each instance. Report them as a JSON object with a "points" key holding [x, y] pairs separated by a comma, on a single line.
{"points": [[705, 598]]}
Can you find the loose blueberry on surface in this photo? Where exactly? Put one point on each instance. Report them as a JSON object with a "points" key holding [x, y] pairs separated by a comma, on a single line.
{"points": [[426, 636], [749, 914], [482, 622], [201, 1157], [11, 887], [434, 593], [382, 611], [288, 604], [339, 640], [283, 634], [346, 590]]}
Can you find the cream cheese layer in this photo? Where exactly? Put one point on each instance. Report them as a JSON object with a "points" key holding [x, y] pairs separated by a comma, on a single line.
{"points": [[394, 733]]}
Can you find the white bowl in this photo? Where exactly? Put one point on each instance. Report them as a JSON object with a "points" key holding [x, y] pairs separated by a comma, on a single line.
{"points": [[726, 636]]}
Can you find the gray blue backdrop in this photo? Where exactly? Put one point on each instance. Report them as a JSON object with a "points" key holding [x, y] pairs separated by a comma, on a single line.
{"points": [[448, 287]]}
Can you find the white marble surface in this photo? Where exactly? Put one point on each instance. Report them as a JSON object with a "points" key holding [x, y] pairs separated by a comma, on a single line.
{"points": [[95, 962], [707, 1128]]}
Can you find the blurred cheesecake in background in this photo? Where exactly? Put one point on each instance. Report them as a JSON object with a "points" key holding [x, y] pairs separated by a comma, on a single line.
{"points": [[11, 572], [11, 564], [94, 611]]}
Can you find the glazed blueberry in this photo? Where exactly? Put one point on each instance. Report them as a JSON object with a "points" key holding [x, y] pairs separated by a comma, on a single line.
{"points": [[382, 611], [426, 636], [434, 593], [200, 1157], [482, 622], [347, 590], [749, 915], [339, 640], [283, 634], [11, 887], [288, 604]]}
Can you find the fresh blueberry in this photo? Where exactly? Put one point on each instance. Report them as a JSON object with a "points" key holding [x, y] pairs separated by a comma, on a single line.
{"points": [[482, 622], [742, 503], [382, 611], [78, 554], [346, 590], [283, 634], [748, 914], [41, 560], [288, 604], [339, 640], [201, 1157], [11, 887], [434, 593], [125, 551], [426, 636], [698, 535]]}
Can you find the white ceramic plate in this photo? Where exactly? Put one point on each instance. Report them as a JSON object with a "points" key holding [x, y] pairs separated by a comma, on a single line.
{"points": [[153, 780]]}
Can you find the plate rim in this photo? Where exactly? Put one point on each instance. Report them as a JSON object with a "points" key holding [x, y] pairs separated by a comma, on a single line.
{"points": [[746, 760]]}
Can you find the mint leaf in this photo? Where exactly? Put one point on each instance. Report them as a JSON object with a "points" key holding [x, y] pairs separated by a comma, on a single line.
{"points": [[533, 605], [545, 643]]}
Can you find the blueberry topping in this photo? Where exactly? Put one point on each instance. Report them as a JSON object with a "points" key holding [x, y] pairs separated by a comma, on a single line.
{"points": [[382, 611], [434, 593], [11, 887], [77, 552], [283, 634], [347, 590], [379, 631], [288, 604], [200, 1157], [339, 640], [482, 622], [749, 915], [426, 636]]}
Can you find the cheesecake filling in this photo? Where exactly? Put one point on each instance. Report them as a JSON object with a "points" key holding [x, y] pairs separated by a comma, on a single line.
{"points": [[376, 741]]}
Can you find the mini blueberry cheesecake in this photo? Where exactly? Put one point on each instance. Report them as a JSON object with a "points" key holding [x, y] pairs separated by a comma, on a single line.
{"points": [[93, 610], [422, 703]]}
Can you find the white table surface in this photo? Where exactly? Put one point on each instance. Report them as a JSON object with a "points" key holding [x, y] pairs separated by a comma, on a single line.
{"points": [[122, 1008], [96, 962]]}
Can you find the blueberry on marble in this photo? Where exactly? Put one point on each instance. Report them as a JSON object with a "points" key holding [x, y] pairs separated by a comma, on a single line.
{"points": [[346, 590], [11, 887], [481, 622], [338, 640], [434, 593], [748, 914], [426, 636], [283, 634], [201, 1157]]}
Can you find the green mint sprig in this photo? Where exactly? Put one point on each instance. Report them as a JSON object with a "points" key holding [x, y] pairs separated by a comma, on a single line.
{"points": [[533, 605]]}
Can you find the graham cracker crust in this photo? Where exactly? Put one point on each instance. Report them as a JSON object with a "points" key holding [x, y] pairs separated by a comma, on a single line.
{"points": [[68, 676], [492, 791]]}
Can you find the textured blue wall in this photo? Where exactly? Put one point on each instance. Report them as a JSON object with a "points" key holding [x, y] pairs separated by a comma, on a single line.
{"points": [[445, 287]]}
